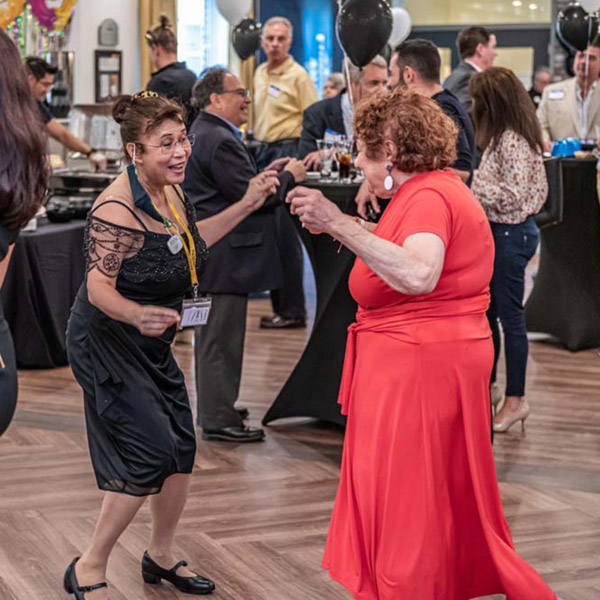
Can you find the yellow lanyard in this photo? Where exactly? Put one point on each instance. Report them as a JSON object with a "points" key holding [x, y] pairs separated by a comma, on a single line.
{"points": [[189, 247]]}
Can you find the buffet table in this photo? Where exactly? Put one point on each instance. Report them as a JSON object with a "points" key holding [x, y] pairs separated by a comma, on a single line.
{"points": [[45, 272], [312, 388], [565, 301]]}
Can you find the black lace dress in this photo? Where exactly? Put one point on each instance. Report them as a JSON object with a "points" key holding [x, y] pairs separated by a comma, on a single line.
{"points": [[8, 365], [138, 417]]}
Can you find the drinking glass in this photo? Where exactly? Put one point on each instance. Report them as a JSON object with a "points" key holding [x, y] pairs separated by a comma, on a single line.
{"points": [[326, 151], [344, 157]]}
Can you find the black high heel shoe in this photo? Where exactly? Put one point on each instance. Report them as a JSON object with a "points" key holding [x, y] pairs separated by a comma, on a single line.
{"points": [[153, 573], [72, 586]]}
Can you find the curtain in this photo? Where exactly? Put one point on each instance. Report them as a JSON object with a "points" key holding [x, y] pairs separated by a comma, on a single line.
{"points": [[149, 11]]}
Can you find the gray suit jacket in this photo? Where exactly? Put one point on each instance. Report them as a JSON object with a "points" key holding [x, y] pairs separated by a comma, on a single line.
{"points": [[458, 84], [558, 111]]}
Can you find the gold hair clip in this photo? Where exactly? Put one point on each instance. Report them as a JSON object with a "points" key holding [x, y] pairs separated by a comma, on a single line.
{"points": [[149, 37], [145, 94]]}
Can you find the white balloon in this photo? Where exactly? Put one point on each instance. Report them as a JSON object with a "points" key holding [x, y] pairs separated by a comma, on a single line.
{"points": [[234, 10], [590, 5], [402, 26]]}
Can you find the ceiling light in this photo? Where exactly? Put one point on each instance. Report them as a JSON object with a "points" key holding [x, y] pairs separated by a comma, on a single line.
{"points": [[517, 3], [533, 7]]}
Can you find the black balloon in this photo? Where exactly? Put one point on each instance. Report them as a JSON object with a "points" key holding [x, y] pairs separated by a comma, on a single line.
{"points": [[364, 28], [569, 59], [575, 27], [387, 52], [246, 38]]}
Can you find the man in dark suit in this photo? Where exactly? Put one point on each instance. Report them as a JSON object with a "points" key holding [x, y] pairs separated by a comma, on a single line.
{"points": [[337, 114], [477, 49], [221, 172], [415, 65]]}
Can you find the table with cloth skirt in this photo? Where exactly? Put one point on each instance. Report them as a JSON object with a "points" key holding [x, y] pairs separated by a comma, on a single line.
{"points": [[45, 272], [565, 300], [312, 388]]}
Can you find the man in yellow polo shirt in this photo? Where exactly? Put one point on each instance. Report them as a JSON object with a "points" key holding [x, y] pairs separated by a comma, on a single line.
{"points": [[282, 92]]}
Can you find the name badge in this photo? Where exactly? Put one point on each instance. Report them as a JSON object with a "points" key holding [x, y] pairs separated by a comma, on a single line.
{"points": [[274, 91], [175, 244], [556, 94], [195, 312]]}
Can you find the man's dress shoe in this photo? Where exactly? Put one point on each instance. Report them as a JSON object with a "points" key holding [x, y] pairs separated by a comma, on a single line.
{"points": [[234, 434], [279, 322]]}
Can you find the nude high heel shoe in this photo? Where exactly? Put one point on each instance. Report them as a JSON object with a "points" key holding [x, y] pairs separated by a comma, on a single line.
{"points": [[496, 397], [520, 415]]}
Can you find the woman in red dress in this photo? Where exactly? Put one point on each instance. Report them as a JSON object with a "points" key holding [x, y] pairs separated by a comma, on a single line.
{"points": [[418, 512]]}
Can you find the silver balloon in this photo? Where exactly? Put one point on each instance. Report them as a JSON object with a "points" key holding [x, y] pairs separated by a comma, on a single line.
{"points": [[402, 26], [590, 5], [234, 10]]}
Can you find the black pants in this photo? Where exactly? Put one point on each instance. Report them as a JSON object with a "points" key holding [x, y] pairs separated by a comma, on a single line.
{"points": [[219, 351], [515, 245], [8, 376], [288, 301]]}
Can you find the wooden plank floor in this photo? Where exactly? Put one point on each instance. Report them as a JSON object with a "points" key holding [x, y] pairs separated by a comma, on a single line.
{"points": [[257, 515]]}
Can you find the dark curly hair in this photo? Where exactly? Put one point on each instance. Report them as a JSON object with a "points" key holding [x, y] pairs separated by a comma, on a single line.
{"points": [[139, 115], [24, 169], [424, 136]]}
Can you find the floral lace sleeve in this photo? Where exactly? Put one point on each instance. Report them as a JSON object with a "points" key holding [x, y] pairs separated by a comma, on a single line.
{"points": [[107, 245]]}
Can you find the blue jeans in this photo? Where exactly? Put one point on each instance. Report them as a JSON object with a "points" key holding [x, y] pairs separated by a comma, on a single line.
{"points": [[515, 245]]}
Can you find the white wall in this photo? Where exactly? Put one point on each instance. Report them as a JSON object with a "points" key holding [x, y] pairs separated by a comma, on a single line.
{"points": [[84, 40]]}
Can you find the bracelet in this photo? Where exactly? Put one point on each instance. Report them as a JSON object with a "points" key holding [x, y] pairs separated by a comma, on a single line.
{"points": [[361, 222], [92, 150]]}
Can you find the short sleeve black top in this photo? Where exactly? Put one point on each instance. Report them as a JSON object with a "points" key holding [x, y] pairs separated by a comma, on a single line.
{"points": [[45, 113], [6, 239], [465, 144], [175, 81]]}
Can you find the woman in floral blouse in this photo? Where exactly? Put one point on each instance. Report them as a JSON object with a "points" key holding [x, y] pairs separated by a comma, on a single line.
{"points": [[511, 185]]}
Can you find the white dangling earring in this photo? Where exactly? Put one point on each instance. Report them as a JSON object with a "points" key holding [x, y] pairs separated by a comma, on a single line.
{"points": [[388, 182], [133, 160]]}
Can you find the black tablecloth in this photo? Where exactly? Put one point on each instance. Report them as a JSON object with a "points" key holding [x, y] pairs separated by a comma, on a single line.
{"points": [[565, 301], [312, 388], [45, 272]]}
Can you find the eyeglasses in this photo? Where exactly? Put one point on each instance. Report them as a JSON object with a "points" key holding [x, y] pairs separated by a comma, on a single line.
{"points": [[169, 146], [242, 92]]}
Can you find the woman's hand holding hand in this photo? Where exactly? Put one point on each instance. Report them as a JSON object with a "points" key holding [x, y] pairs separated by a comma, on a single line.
{"points": [[364, 197], [315, 212], [312, 161], [153, 321], [278, 164], [297, 169], [260, 188]]}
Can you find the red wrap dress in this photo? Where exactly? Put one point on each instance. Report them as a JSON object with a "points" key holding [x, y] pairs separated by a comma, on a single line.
{"points": [[418, 513]]}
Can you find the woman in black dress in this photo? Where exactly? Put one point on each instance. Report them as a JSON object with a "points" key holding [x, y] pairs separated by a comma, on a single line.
{"points": [[143, 250], [23, 180]]}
